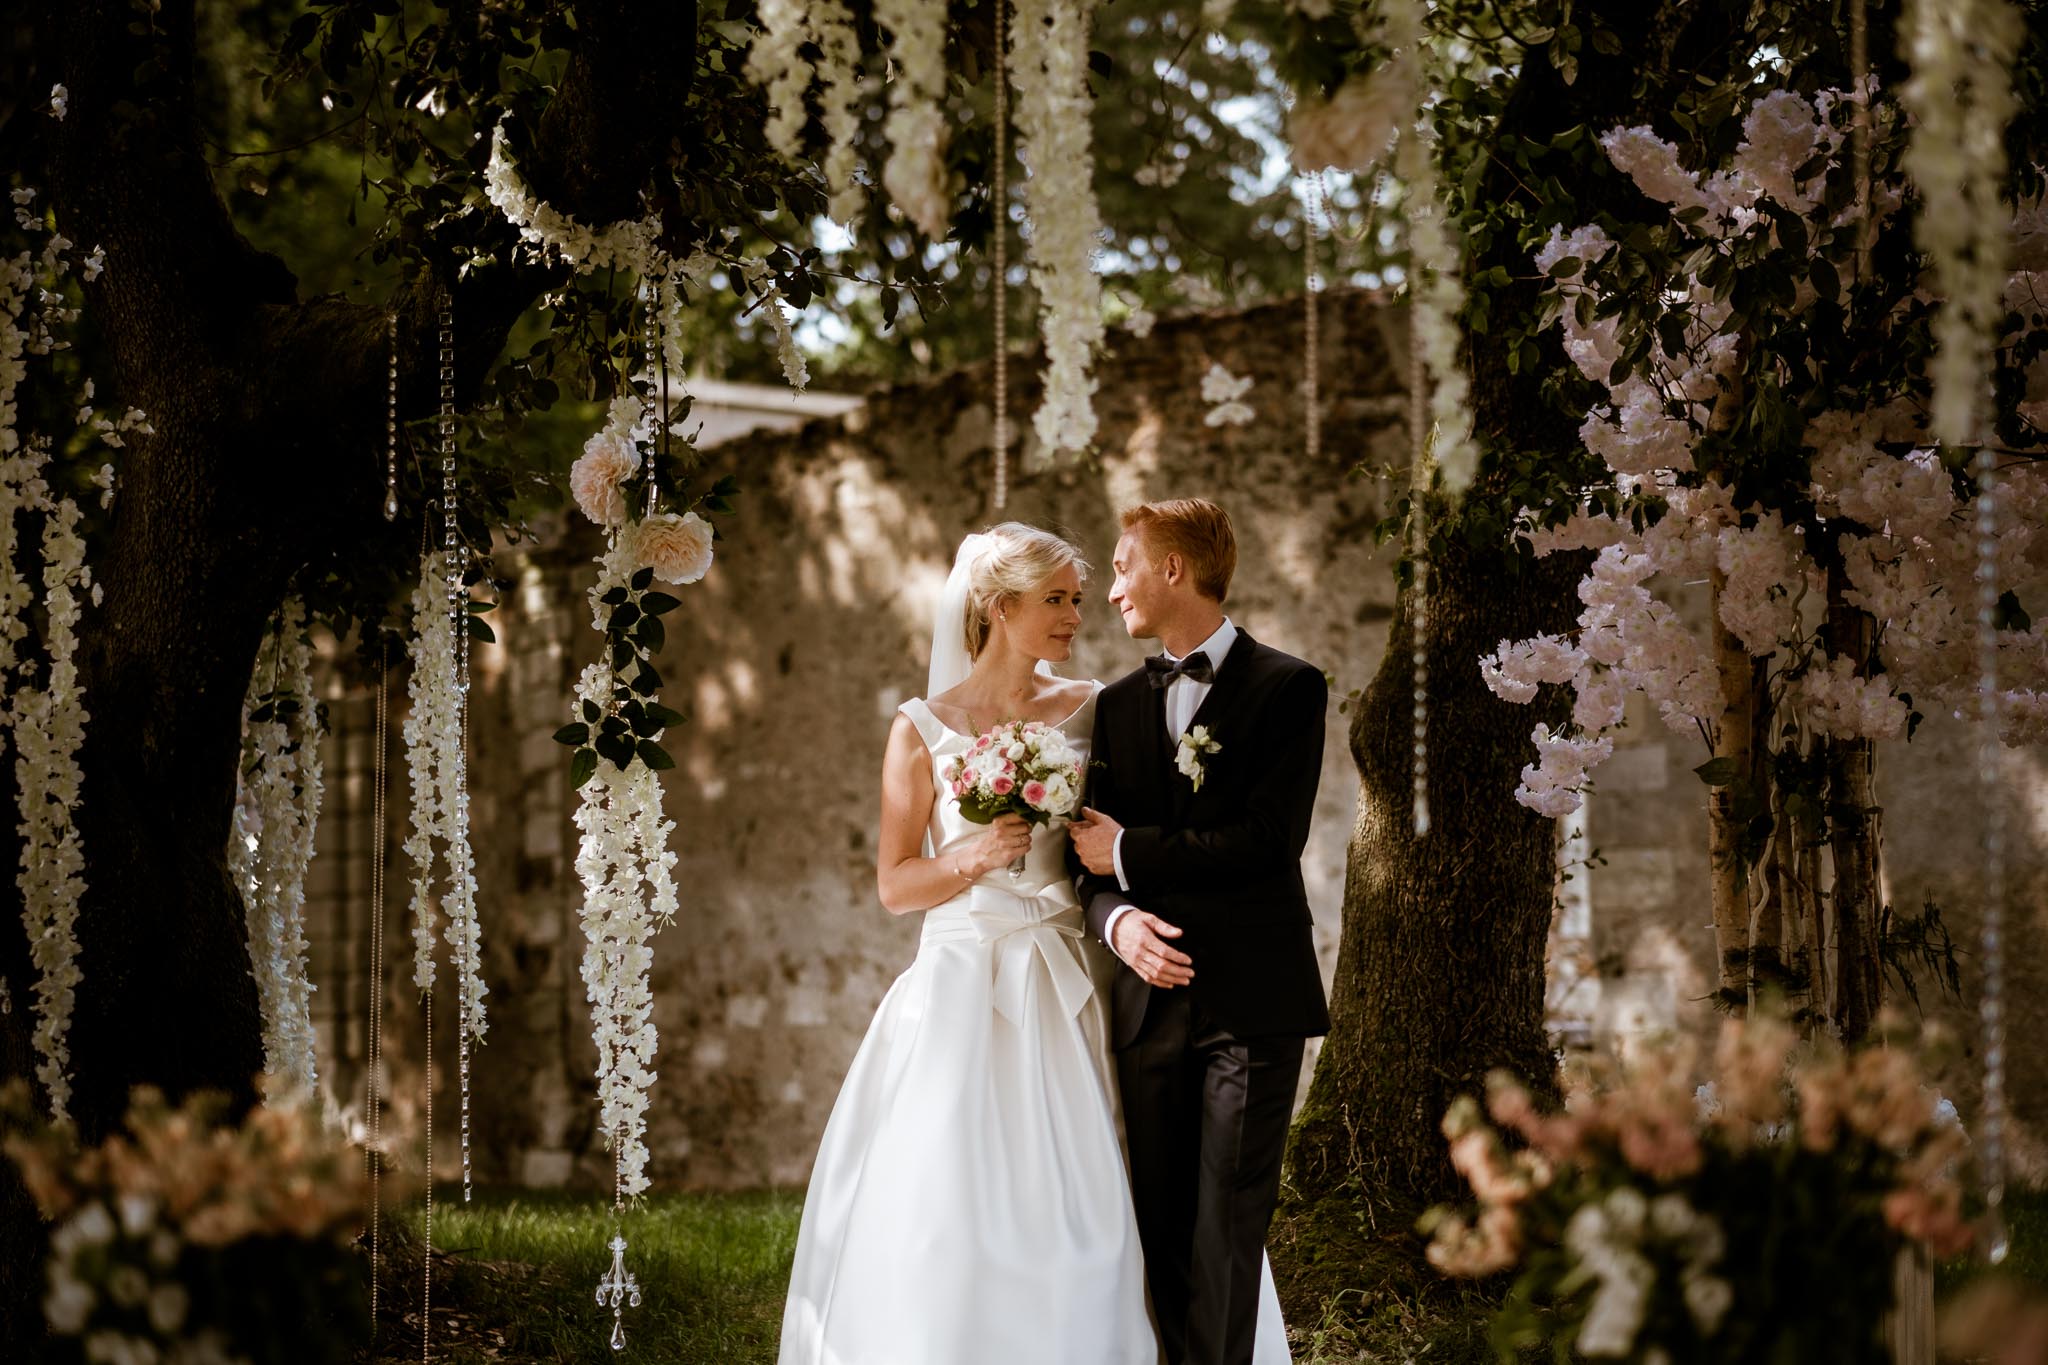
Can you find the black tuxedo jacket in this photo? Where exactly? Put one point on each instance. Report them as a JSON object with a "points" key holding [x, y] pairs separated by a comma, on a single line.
{"points": [[1222, 863]]}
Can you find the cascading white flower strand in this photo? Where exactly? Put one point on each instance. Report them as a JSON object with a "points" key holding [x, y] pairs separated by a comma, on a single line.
{"points": [[1435, 259], [915, 174], [1961, 98], [1055, 125], [776, 63], [48, 725], [47, 721], [277, 809]]}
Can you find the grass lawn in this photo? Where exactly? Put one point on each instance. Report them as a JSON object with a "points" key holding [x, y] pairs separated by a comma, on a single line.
{"points": [[515, 1279]]}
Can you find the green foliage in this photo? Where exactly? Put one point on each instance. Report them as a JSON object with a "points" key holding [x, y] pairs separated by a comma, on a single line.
{"points": [[517, 1283], [630, 725]]}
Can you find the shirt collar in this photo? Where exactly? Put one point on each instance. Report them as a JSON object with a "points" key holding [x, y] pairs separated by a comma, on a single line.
{"points": [[1217, 646]]}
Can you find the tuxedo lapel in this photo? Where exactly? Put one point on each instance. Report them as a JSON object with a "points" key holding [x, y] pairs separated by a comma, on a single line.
{"points": [[1231, 679]]}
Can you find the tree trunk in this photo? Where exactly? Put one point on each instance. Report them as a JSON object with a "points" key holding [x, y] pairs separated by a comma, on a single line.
{"points": [[1734, 750], [1440, 968], [1853, 830]]}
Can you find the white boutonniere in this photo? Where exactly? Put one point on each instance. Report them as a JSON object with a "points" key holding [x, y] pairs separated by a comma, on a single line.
{"points": [[1193, 755]]}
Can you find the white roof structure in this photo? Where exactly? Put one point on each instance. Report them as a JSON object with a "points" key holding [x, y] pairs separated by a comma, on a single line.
{"points": [[727, 411]]}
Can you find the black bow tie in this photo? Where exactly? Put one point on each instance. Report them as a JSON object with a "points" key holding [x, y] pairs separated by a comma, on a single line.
{"points": [[1160, 670]]}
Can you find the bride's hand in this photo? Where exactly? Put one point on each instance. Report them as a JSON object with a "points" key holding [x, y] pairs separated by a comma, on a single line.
{"points": [[1007, 840]]}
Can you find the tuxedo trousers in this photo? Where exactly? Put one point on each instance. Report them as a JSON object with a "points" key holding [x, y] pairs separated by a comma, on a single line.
{"points": [[1206, 1116]]}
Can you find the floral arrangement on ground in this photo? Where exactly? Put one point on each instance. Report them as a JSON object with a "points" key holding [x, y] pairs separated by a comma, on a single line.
{"points": [[1758, 1216]]}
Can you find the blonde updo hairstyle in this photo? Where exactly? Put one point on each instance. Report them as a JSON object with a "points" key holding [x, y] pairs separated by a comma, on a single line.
{"points": [[1017, 559]]}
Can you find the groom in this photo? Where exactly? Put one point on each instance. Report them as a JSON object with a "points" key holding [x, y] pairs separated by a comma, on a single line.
{"points": [[1207, 760]]}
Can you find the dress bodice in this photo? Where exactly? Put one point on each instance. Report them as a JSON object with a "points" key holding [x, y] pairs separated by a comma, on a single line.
{"points": [[1016, 918], [949, 829]]}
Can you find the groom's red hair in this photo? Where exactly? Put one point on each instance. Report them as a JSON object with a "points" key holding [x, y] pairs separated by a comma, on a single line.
{"points": [[1195, 529]]}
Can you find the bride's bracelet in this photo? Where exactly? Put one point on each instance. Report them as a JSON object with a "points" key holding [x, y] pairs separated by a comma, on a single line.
{"points": [[955, 869]]}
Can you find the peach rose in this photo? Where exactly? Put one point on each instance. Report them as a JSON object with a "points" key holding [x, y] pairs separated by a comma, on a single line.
{"points": [[595, 478], [677, 548]]}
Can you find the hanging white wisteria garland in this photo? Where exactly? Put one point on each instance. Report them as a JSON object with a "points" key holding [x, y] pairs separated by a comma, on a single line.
{"points": [[46, 718], [623, 858], [1055, 127], [277, 809], [1961, 99], [554, 235], [1353, 131], [775, 62], [916, 127], [48, 725], [434, 764]]}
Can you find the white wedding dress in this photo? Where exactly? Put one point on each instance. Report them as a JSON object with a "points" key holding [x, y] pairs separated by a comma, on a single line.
{"points": [[970, 1203]]}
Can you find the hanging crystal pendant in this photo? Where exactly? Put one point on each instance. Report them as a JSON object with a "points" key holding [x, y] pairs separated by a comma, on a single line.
{"points": [[618, 1290]]}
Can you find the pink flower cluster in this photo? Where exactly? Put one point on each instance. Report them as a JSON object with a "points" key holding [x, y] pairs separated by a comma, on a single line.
{"points": [[1901, 522], [1652, 1126], [1020, 766]]}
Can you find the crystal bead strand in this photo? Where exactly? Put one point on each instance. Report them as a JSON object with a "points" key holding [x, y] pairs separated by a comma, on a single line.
{"points": [[617, 1288], [657, 385], [391, 420], [373, 1107], [455, 561], [1312, 287], [1001, 227], [1990, 766], [1418, 521], [427, 1228]]}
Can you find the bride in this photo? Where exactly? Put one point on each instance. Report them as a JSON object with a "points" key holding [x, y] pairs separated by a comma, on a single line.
{"points": [[970, 1203]]}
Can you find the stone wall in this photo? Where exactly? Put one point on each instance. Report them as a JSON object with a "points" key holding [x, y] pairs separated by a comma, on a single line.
{"points": [[789, 660]]}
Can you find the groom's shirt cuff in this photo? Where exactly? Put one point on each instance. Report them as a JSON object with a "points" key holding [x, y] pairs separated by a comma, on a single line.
{"points": [[1116, 855]]}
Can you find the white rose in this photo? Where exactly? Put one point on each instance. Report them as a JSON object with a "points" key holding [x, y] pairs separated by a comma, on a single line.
{"points": [[677, 548]]}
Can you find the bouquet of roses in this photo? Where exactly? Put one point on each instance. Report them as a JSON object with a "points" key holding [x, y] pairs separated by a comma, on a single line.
{"points": [[1020, 767]]}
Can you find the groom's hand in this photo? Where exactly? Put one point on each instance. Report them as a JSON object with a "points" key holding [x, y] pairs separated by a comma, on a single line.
{"points": [[1094, 836], [1141, 942]]}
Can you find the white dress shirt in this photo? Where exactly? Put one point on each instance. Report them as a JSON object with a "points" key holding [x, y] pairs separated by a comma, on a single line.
{"points": [[1184, 697]]}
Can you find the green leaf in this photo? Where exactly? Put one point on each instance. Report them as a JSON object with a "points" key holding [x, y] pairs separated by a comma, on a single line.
{"points": [[623, 618], [659, 603], [617, 749], [577, 733], [642, 579], [651, 634], [1826, 282], [1718, 772], [613, 597], [592, 712], [2009, 614], [481, 630], [582, 766], [653, 755], [663, 716]]}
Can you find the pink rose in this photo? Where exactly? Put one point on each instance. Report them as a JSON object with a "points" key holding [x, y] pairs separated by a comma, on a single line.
{"points": [[594, 479], [1002, 786], [1034, 793], [960, 785], [677, 548]]}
